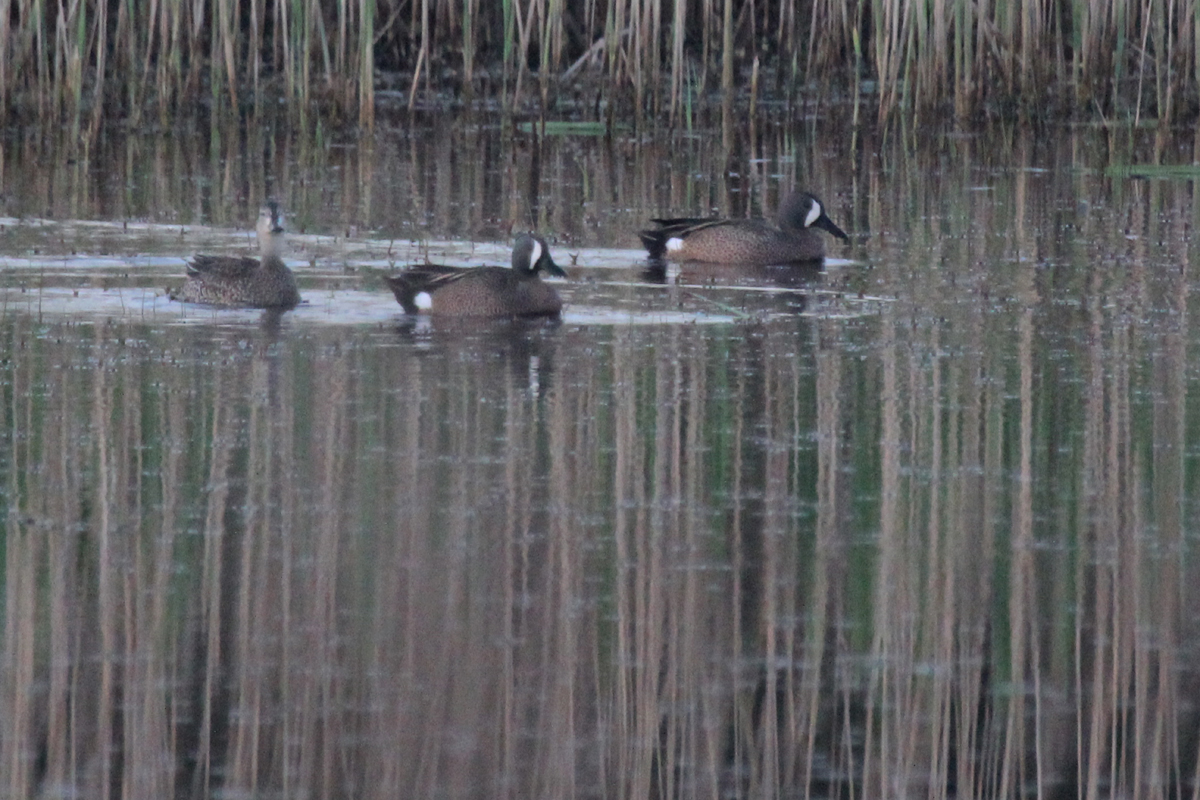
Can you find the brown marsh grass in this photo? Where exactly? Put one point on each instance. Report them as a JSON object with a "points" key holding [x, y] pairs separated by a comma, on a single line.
{"points": [[149, 64]]}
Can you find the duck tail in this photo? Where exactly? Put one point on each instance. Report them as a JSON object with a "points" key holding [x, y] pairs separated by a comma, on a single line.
{"points": [[655, 242], [406, 293]]}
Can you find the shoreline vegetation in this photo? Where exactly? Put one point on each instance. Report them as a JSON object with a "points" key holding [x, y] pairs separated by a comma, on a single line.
{"points": [[84, 63]]}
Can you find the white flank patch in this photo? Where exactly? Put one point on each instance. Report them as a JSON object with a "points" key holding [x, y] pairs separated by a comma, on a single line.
{"points": [[423, 301], [536, 255], [674, 243], [814, 214]]}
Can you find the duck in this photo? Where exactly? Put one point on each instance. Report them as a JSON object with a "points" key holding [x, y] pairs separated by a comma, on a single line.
{"points": [[243, 282], [746, 242], [488, 291]]}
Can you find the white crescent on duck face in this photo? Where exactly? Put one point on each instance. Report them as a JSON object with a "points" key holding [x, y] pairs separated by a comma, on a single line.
{"points": [[536, 255], [814, 213]]}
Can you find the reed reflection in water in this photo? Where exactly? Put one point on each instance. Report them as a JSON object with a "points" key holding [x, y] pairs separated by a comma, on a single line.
{"points": [[806, 556]]}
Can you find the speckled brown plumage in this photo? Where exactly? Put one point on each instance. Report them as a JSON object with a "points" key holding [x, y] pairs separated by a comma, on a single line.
{"points": [[746, 242], [483, 291], [241, 282]]}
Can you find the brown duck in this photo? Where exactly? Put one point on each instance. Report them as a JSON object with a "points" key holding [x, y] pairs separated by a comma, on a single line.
{"points": [[242, 282], [483, 291], [746, 242]]}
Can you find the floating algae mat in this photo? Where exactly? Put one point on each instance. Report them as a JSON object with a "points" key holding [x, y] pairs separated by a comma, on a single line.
{"points": [[569, 128], [1156, 171]]}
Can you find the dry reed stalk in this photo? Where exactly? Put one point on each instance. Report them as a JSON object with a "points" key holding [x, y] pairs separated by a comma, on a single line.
{"points": [[678, 23], [539, 27], [785, 27], [321, 37], [366, 63], [707, 17], [422, 54], [141, 33], [100, 36], [508, 44], [727, 49], [62, 84], [255, 46], [225, 38], [1114, 57], [936, 59], [964, 78], [470, 10], [550, 62], [523, 29], [301, 33], [754, 90], [284, 46], [887, 49], [614, 39], [653, 52], [344, 65], [39, 47], [636, 54], [8, 57]]}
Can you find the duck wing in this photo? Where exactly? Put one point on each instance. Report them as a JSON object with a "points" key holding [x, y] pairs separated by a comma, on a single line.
{"points": [[222, 267], [427, 277], [679, 228], [418, 278], [676, 224], [431, 278]]}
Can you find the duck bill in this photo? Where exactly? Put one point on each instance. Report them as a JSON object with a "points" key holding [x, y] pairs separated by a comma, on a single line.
{"points": [[547, 265], [826, 224]]}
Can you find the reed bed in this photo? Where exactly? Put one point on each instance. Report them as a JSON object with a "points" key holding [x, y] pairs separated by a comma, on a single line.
{"points": [[84, 62]]}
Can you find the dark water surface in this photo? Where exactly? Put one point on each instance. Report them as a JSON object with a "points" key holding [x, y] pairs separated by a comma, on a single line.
{"points": [[921, 524]]}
